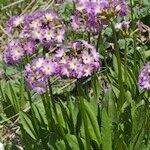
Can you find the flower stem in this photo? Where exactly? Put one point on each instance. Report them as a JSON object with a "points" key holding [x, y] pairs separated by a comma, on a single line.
{"points": [[120, 80], [134, 37], [98, 41], [131, 6], [135, 56], [125, 61], [55, 110], [89, 37], [74, 6]]}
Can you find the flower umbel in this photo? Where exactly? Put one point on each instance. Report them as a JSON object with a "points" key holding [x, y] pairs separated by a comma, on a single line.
{"points": [[144, 77]]}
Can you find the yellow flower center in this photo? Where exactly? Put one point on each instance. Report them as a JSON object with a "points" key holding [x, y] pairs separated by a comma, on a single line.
{"points": [[18, 51], [48, 68], [74, 64]]}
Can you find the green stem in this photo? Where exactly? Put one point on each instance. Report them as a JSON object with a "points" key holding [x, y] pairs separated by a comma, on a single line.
{"points": [[84, 116], [47, 111], [135, 57], [89, 37], [44, 51], [120, 80], [74, 6], [57, 116], [55, 110], [98, 41], [125, 61], [132, 13], [134, 37]]}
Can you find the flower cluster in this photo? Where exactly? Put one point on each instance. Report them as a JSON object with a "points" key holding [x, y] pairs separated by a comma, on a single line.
{"points": [[124, 25], [125, 29], [37, 74], [15, 22], [144, 77], [92, 15], [16, 49], [79, 60], [45, 26]]}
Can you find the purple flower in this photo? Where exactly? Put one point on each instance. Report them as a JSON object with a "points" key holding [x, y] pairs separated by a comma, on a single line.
{"points": [[87, 70], [14, 22], [144, 77], [38, 63], [30, 47], [28, 68], [78, 61], [48, 68], [65, 71], [44, 27], [60, 52], [37, 74], [104, 4], [75, 22], [90, 16], [80, 71], [35, 24], [95, 54], [73, 64], [39, 87], [125, 24], [50, 16], [37, 34], [17, 53], [64, 60], [49, 34], [13, 52], [60, 35], [19, 20], [9, 24], [86, 57], [140, 26]]}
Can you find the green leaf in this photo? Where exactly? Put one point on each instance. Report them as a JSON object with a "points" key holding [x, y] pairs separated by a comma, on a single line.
{"points": [[94, 122], [10, 70], [115, 65], [27, 125], [78, 123], [73, 142], [39, 113], [112, 108], [147, 53], [106, 131], [61, 145], [22, 91], [11, 94]]}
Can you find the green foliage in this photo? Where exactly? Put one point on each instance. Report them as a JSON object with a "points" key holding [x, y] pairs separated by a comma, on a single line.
{"points": [[106, 111]]}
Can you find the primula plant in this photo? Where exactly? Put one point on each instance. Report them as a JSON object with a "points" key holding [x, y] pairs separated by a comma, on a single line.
{"points": [[76, 76]]}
